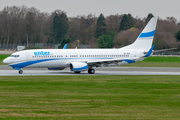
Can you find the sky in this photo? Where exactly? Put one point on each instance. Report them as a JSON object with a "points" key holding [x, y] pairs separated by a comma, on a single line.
{"points": [[138, 8]]}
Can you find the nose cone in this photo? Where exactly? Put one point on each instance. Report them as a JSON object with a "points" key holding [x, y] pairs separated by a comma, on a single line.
{"points": [[6, 61]]}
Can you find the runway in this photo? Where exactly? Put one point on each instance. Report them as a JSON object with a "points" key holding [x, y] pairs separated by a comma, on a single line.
{"points": [[8, 71]]}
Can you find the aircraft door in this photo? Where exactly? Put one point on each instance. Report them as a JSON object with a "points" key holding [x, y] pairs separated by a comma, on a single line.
{"points": [[28, 57]]}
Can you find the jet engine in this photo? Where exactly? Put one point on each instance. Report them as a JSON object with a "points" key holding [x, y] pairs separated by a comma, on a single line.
{"points": [[78, 66]]}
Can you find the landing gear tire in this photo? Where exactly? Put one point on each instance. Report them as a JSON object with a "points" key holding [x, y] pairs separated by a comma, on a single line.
{"points": [[77, 71], [20, 72], [91, 71]]}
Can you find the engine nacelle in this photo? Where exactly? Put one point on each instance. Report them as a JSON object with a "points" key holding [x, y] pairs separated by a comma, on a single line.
{"points": [[78, 66], [55, 68]]}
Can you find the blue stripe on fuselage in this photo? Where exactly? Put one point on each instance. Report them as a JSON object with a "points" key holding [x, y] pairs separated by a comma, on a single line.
{"points": [[27, 63], [24, 64], [129, 61]]}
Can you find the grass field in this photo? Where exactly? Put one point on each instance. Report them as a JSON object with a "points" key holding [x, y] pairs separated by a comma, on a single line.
{"points": [[90, 97], [2, 57], [157, 62], [153, 64]]}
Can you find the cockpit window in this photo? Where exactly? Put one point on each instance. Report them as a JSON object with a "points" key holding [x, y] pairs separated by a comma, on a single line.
{"points": [[14, 55]]}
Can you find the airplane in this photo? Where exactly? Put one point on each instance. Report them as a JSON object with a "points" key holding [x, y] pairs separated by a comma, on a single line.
{"points": [[78, 60]]}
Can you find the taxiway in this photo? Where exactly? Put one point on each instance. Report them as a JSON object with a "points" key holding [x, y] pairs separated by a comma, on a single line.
{"points": [[8, 71]]}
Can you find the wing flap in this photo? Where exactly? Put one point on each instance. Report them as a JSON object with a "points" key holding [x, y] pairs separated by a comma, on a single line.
{"points": [[106, 62]]}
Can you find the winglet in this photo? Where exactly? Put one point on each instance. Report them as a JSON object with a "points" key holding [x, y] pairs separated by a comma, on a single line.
{"points": [[150, 51], [65, 46]]}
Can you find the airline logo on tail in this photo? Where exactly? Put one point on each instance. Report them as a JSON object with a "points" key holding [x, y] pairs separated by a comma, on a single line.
{"points": [[148, 34]]}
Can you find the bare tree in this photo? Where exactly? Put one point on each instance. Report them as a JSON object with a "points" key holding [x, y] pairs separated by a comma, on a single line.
{"points": [[113, 22]]}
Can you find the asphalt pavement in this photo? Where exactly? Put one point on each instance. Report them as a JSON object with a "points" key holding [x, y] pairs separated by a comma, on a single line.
{"points": [[8, 71]]}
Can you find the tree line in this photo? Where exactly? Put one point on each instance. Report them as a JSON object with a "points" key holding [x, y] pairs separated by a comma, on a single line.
{"points": [[23, 25]]}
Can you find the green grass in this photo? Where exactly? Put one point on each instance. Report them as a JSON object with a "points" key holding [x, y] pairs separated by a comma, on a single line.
{"points": [[90, 97], [157, 62], [162, 59], [2, 57], [153, 64]]}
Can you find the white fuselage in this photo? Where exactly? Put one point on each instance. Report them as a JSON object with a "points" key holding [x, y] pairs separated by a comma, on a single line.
{"points": [[59, 58]]}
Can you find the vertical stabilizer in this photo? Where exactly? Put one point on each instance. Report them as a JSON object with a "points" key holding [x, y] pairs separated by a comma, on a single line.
{"points": [[145, 39]]}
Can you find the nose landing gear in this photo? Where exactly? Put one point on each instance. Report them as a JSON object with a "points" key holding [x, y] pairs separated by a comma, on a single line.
{"points": [[18, 68], [20, 72]]}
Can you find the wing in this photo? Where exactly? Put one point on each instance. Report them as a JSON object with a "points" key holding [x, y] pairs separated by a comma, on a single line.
{"points": [[107, 62]]}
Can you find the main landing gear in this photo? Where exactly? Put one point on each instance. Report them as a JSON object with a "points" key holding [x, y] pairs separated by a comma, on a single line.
{"points": [[91, 71], [20, 72]]}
